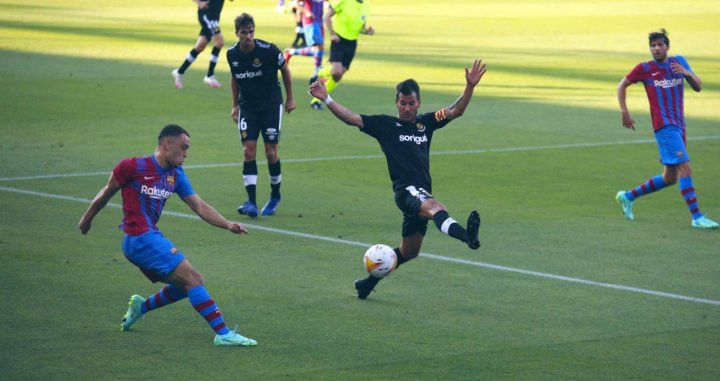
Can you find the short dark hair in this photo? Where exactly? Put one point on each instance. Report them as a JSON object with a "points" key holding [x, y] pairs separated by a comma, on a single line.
{"points": [[662, 34], [243, 21], [407, 87], [172, 130]]}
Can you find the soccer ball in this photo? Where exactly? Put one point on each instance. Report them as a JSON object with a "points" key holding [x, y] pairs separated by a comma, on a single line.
{"points": [[380, 260]]}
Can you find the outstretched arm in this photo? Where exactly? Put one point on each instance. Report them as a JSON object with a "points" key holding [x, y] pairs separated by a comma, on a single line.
{"points": [[627, 120], [319, 91], [99, 202], [211, 216], [472, 78]]}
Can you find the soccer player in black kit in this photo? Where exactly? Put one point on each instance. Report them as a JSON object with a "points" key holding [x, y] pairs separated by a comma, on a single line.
{"points": [[209, 19], [257, 107], [405, 140]]}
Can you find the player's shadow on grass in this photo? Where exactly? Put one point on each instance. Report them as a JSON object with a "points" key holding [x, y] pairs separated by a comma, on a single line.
{"points": [[108, 100], [584, 73]]}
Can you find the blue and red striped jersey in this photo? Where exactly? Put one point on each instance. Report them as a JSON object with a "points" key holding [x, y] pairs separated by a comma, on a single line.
{"points": [[146, 186], [315, 8], [664, 90]]}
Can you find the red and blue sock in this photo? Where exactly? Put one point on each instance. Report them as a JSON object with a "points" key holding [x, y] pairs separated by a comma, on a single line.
{"points": [[653, 184], [318, 57], [306, 51], [167, 295], [206, 307], [688, 192]]}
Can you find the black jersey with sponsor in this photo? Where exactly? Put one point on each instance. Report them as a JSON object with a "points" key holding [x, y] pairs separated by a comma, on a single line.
{"points": [[406, 146], [214, 8], [256, 74]]}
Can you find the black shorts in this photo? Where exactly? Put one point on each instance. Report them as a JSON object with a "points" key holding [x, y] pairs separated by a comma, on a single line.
{"points": [[209, 24], [409, 200], [343, 51], [252, 122]]}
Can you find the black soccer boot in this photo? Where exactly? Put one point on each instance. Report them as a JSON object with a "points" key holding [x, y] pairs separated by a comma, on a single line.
{"points": [[473, 226], [365, 286]]}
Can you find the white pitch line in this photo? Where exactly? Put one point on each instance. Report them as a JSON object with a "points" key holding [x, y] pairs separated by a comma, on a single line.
{"points": [[360, 157], [425, 255]]}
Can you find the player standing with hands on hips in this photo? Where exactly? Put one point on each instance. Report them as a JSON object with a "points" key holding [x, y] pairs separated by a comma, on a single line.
{"points": [[257, 107], [405, 141], [663, 78], [146, 183]]}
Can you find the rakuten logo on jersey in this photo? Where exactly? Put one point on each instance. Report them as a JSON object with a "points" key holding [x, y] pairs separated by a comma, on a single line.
{"points": [[249, 74], [413, 138], [154, 192], [665, 83]]}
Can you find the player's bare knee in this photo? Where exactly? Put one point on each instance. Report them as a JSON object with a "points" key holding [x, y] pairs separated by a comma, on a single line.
{"points": [[432, 206], [249, 151], [437, 207], [198, 278], [271, 154], [193, 279]]}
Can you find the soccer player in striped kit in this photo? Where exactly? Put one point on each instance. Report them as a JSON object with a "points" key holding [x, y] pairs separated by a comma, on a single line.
{"points": [[312, 21], [145, 184], [663, 78]]}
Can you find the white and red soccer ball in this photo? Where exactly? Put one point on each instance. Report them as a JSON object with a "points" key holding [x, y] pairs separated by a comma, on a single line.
{"points": [[380, 260]]}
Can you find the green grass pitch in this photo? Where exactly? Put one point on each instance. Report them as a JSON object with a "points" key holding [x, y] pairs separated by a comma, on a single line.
{"points": [[563, 287]]}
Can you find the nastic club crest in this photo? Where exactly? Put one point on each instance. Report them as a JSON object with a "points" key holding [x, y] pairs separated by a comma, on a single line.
{"points": [[420, 127], [256, 62]]}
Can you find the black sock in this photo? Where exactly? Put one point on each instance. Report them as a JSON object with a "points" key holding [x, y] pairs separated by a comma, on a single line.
{"points": [[400, 258], [452, 228], [250, 179], [213, 61], [189, 60], [371, 280], [275, 178]]}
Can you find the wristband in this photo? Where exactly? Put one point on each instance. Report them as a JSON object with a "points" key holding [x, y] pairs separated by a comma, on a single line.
{"points": [[328, 100]]}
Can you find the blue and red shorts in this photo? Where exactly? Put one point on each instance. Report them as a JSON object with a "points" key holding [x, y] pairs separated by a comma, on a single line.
{"points": [[154, 254], [671, 145]]}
